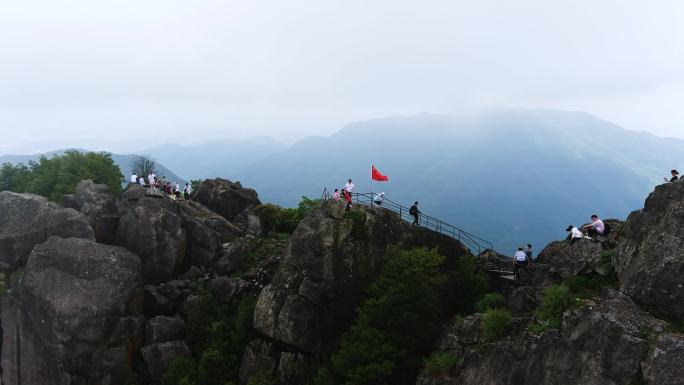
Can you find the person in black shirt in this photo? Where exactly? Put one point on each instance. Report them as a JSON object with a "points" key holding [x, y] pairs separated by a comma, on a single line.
{"points": [[414, 212], [675, 177]]}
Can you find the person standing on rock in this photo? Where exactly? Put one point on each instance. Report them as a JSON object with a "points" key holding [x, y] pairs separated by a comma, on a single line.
{"points": [[349, 187], [347, 196], [186, 191], [675, 176], [528, 251], [176, 189], [134, 178], [415, 213], [596, 227]]}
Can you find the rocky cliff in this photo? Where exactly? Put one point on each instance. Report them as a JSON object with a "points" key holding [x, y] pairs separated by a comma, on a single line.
{"points": [[618, 311], [141, 289]]}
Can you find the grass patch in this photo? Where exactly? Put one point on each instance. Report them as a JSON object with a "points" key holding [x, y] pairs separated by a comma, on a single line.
{"points": [[537, 328], [490, 301], [359, 230], [439, 364], [555, 301], [495, 323]]}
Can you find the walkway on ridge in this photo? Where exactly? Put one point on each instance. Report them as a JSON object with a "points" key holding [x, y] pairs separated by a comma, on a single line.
{"points": [[471, 241]]}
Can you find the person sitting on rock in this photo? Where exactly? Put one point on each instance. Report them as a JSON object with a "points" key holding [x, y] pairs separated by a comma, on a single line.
{"points": [[378, 198], [574, 234], [675, 177], [596, 227], [336, 195]]}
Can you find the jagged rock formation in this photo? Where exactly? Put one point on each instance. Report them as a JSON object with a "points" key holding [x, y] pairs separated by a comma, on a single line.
{"points": [[97, 203], [74, 316], [77, 312], [27, 220], [605, 339], [650, 258], [151, 227], [603, 342], [330, 259], [228, 199]]}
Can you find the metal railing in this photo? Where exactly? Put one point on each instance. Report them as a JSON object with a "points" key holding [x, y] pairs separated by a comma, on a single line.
{"points": [[471, 241]]}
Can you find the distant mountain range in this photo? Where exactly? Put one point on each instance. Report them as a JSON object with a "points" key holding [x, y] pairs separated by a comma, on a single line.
{"points": [[121, 160], [512, 176]]}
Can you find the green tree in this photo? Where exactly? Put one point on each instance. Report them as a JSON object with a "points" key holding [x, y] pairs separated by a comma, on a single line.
{"points": [[383, 346], [54, 177]]}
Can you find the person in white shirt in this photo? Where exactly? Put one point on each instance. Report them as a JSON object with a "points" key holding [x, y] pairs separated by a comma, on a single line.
{"points": [[520, 259], [134, 178], [378, 198], [575, 234], [596, 227], [141, 180], [186, 191], [349, 187], [150, 179]]}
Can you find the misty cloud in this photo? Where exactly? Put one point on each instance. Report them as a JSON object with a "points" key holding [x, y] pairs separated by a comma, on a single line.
{"points": [[127, 74]]}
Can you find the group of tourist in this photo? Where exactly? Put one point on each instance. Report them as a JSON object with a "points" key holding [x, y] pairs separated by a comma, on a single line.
{"points": [[348, 189], [346, 194], [589, 231], [168, 188]]}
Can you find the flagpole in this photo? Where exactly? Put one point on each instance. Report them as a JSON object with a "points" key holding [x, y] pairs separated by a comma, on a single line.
{"points": [[371, 194]]}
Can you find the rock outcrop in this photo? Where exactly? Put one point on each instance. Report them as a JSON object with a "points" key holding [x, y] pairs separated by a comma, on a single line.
{"points": [[227, 198], [97, 203], [27, 220], [151, 227], [650, 257], [74, 316], [603, 342], [329, 261]]}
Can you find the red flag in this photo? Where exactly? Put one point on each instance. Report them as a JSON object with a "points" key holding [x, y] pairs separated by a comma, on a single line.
{"points": [[375, 175]]}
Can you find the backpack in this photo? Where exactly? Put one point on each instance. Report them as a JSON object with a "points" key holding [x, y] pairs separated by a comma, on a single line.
{"points": [[606, 230], [413, 210]]}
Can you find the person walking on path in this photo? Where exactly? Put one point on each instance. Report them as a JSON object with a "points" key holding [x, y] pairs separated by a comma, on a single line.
{"points": [[347, 196], [520, 259], [675, 177], [415, 213], [349, 187]]}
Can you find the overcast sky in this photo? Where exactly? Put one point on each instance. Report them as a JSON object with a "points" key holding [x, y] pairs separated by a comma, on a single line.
{"points": [[128, 74]]}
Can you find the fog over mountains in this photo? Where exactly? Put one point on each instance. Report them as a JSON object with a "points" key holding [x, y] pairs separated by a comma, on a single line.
{"points": [[512, 176]]}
